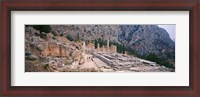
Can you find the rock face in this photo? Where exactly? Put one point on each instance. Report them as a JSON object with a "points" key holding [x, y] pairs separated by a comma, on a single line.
{"points": [[41, 53], [31, 57], [91, 32], [54, 50], [52, 65], [147, 39]]}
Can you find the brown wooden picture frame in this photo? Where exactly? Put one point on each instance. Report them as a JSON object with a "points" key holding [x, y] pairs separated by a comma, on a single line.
{"points": [[193, 90]]}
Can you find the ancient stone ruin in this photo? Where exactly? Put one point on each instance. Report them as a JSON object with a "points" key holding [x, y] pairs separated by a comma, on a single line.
{"points": [[57, 54]]}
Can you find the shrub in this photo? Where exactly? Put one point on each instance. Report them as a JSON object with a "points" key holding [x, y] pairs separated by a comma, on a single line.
{"points": [[69, 37], [164, 62], [54, 38], [43, 35], [43, 28], [61, 34], [54, 33], [152, 57]]}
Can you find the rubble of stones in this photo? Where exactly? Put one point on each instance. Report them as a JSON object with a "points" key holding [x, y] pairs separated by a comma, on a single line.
{"points": [[124, 63]]}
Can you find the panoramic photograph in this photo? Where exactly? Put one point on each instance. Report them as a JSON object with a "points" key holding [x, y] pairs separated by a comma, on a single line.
{"points": [[100, 48]]}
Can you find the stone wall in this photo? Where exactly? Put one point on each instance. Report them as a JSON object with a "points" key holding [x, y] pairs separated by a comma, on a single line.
{"points": [[52, 49]]}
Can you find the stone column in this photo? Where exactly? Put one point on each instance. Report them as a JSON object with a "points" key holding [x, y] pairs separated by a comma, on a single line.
{"points": [[84, 47], [103, 48], [108, 45], [98, 48], [115, 48]]}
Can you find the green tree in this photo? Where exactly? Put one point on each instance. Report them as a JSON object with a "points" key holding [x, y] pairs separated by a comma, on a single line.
{"points": [[42, 28], [78, 36], [152, 57], [101, 42], [95, 43]]}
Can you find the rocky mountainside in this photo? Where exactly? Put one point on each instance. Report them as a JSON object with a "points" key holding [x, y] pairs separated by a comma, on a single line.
{"points": [[91, 32], [150, 42], [144, 40]]}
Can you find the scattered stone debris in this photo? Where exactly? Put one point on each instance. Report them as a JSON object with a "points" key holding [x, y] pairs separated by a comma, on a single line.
{"points": [[121, 62], [31, 57]]}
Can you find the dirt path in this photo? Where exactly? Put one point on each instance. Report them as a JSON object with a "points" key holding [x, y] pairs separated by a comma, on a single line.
{"points": [[89, 66], [103, 67]]}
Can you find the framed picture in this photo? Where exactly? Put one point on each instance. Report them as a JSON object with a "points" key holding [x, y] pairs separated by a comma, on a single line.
{"points": [[139, 48]]}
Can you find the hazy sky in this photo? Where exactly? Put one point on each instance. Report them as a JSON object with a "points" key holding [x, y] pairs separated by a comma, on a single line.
{"points": [[171, 29]]}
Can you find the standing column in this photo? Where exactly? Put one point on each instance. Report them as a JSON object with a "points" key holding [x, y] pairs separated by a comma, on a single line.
{"points": [[103, 49], [115, 48], [98, 48], [108, 45], [84, 47]]}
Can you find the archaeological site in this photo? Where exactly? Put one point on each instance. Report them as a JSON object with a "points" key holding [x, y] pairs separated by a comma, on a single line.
{"points": [[98, 48]]}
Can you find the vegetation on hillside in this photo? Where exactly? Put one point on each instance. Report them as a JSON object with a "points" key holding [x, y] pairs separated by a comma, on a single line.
{"points": [[155, 58], [43, 30]]}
